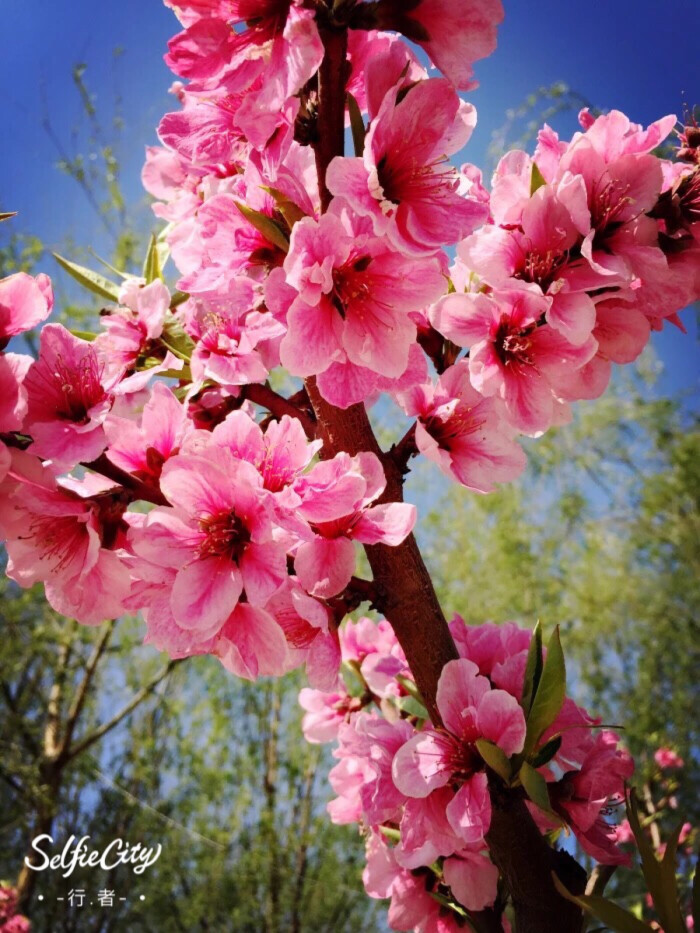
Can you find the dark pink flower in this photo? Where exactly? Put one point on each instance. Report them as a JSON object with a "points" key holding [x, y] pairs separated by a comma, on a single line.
{"points": [[218, 537], [465, 434], [666, 758], [434, 759], [513, 353], [404, 181]]}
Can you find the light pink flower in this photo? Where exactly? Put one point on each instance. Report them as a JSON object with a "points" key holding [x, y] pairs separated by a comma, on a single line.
{"points": [[143, 448], [69, 395], [24, 303], [404, 182], [133, 328], [453, 35], [513, 354], [13, 401], [666, 758], [362, 779], [465, 434], [68, 541], [218, 536], [470, 709], [336, 499], [312, 639], [353, 299]]}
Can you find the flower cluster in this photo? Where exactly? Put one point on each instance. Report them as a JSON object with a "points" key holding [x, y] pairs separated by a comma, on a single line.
{"points": [[249, 541], [420, 793], [137, 470], [10, 920]]}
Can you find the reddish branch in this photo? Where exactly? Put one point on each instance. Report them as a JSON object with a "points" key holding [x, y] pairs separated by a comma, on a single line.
{"points": [[408, 599], [277, 405], [136, 487]]}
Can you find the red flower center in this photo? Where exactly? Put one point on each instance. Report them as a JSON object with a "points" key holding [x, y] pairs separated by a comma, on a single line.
{"points": [[227, 535]]}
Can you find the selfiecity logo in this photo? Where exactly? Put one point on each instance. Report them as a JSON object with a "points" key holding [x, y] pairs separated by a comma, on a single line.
{"points": [[76, 852]]}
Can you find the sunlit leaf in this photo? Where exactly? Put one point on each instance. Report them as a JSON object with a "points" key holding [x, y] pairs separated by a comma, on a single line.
{"points": [[265, 225], [495, 758], [549, 697], [92, 281]]}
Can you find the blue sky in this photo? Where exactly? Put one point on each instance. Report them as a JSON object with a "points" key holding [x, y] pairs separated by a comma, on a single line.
{"points": [[639, 56]]}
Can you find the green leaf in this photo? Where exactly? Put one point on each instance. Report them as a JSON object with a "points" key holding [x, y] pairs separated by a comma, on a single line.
{"points": [[390, 833], [178, 298], [616, 918], [287, 208], [354, 681], [357, 125], [449, 903], [177, 341], [549, 697], [411, 706], [537, 179], [92, 281], [107, 265], [533, 668], [547, 752], [410, 688], [536, 788], [83, 334], [8, 215], [265, 225], [495, 758], [151, 265]]}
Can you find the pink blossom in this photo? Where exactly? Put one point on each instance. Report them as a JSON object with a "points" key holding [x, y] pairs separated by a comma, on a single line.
{"points": [[336, 499], [143, 448], [513, 354], [24, 303], [470, 709], [68, 540], [13, 401], [218, 536], [280, 454], [403, 182], [69, 395], [251, 643], [465, 434], [412, 906], [666, 758], [311, 638], [133, 328], [324, 714], [353, 299], [453, 36], [585, 793], [367, 790], [473, 879], [231, 338]]}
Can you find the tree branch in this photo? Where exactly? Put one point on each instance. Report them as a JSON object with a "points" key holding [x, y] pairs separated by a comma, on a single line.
{"points": [[106, 727], [136, 487], [76, 706], [406, 448], [278, 405]]}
